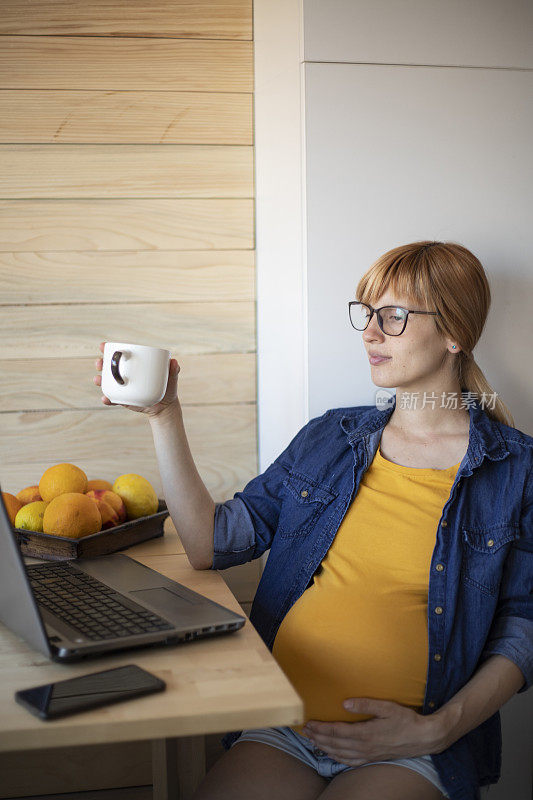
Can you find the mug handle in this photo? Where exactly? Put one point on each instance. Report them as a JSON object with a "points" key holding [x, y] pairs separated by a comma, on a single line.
{"points": [[115, 359]]}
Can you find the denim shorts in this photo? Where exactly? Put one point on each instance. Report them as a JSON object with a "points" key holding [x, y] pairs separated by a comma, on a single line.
{"points": [[284, 738]]}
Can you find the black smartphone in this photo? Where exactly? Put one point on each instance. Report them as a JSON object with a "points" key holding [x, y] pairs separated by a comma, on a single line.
{"points": [[70, 696]]}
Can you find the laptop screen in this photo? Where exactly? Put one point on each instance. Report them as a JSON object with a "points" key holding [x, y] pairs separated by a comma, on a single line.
{"points": [[18, 609]]}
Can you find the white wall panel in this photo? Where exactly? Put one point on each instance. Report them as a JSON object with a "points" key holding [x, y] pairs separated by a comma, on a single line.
{"points": [[479, 33], [397, 154], [353, 159]]}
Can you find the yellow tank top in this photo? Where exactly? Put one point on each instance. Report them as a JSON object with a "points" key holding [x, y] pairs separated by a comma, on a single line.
{"points": [[360, 630]]}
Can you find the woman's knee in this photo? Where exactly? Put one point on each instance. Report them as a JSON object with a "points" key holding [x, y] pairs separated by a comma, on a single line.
{"points": [[256, 771]]}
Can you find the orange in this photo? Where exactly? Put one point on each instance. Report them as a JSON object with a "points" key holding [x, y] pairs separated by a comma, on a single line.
{"points": [[29, 495], [72, 515], [62, 478], [138, 495], [12, 504], [98, 484]]}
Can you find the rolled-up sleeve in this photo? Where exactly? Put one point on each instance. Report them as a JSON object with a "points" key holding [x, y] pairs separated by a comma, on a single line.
{"points": [[511, 634], [234, 538], [246, 524]]}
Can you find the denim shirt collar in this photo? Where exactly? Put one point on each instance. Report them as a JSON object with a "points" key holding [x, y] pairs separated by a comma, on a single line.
{"points": [[485, 437]]}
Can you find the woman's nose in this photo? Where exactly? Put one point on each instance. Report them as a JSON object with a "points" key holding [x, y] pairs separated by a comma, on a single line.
{"points": [[373, 332]]}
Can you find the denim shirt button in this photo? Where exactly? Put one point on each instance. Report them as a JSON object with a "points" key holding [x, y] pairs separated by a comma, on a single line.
{"points": [[431, 704], [437, 656], [444, 524], [438, 610], [305, 493], [439, 567]]}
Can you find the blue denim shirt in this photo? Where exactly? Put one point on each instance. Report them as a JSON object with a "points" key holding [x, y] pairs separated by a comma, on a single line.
{"points": [[480, 594]]}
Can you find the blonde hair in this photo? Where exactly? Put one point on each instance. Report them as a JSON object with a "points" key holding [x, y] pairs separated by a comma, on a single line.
{"points": [[448, 278]]}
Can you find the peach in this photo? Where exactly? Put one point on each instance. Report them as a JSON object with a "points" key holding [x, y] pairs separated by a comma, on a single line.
{"points": [[29, 495], [107, 512], [111, 498]]}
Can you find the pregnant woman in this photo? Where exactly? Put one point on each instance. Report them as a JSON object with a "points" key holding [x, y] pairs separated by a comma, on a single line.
{"points": [[397, 594]]}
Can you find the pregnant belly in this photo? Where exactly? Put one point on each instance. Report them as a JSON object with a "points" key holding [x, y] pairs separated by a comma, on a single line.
{"points": [[377, 649]]}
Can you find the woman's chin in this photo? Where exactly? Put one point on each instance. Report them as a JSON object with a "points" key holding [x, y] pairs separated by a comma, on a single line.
{"points": [[383, 383], [383, 377]]}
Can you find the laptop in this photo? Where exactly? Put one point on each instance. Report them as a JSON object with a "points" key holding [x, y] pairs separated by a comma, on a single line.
{"points": [[69, 610]]}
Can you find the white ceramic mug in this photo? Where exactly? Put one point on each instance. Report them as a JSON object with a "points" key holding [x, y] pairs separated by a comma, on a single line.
{"points": [[134, 374]]}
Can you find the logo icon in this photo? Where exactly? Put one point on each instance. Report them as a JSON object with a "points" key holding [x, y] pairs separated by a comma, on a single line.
{"points": [[384, 399]]}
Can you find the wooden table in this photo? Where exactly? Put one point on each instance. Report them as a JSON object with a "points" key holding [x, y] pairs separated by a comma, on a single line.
{"points": [[213, 685]]}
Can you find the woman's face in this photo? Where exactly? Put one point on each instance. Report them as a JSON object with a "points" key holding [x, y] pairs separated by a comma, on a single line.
{"points": [[419, 358]]}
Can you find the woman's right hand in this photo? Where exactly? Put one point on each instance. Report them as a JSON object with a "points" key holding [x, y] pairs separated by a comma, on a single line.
{"points": [[171, 394]]}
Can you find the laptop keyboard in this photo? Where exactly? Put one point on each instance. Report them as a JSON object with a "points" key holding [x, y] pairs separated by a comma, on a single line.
{"points": [[88, 605]]}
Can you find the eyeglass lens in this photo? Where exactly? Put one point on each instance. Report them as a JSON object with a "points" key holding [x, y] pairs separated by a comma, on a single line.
{"points": [[391, 319]]}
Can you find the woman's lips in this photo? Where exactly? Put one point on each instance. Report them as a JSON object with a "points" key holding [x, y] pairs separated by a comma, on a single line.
{"points": [[378, 359]]}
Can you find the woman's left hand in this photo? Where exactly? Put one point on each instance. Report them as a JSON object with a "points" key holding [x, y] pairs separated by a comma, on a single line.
{"points": [[394, 732]]}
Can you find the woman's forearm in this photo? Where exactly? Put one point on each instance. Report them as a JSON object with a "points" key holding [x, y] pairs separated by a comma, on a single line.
{"points": [[191, 507], [491, 686]]}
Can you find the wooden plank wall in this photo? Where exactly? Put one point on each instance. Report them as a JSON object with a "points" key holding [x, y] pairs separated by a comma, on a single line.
{"points": [[126, 213]]}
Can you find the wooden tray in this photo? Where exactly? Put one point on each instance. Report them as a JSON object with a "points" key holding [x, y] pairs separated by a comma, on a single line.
{"points": [[59, 548]]}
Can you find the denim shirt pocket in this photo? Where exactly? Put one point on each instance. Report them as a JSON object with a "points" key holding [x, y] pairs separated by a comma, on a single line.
{"points": [[304, 501], [484, 553]]}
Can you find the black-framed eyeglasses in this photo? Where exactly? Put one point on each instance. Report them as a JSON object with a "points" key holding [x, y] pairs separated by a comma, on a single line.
{"points": [[391, 319]]}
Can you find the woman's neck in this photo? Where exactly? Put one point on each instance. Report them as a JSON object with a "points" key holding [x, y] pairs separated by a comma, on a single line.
{"points": [[431, 412]]}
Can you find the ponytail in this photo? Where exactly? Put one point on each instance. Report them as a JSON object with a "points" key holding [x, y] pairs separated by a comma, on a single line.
{"points": [[473, 380]]}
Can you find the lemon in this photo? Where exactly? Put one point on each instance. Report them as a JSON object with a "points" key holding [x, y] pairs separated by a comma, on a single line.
{"points": [[138, 495], [30, 516]]}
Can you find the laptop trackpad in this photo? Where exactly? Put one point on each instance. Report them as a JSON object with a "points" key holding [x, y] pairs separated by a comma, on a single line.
{"points": [[164, 600]]}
